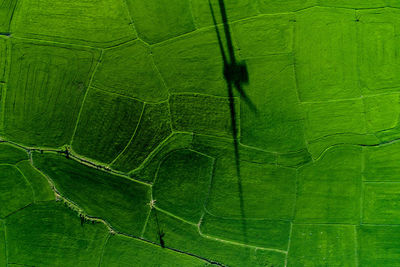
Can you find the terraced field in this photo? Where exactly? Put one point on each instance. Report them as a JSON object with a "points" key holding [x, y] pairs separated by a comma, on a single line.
{"points": [[175, 133]]}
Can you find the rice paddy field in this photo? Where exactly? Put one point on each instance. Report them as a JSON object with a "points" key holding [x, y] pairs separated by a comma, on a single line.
{"points": [[200, 133]]}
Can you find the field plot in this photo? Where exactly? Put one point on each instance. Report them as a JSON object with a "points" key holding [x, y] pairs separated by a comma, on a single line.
{"points": [[382, 112], [323, 245], [13, 183], [121, 202], [188, 173], [379, 245], [192, 63], [272, 88], [266, 35], [201, 114], [329, 72], [129, 70], [3, 58], [154, 127], [354, 3], [48, 234], [3, 251], [380, 204], [40, 185], [379, 44], [159, 20], [11, 155], [329, 190], [177, 234], [117, 144], [106, 124], [45, 92], [97, 23], [260, 233], [175, 141], [380, 163], [235, 9], [269, 6], [122, 251], [6, 11], [267, 191]]}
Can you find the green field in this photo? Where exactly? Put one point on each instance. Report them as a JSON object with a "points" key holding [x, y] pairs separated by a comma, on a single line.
{"points": [[198, 133]]}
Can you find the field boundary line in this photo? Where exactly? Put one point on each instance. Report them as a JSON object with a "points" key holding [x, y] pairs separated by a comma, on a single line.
{"points": [[86, 93]]}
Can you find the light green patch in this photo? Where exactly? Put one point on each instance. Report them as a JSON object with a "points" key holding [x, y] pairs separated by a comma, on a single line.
{"points": [[129, 70], [41, 187], [379, 49], [277, 122], [125, 251], [344, 117], [354, 3], [174, 142], [381, 163], [11, 155], [235, 10], [45, 92], [201, 114], [98, 23], [192, 63], [329, 190], [154, 127], [273, 6], [6, 11], [177, 234], [159, 20], [15, 192], [260, 233], [264, 35], [106, 124], [182, 184], [266, 191], [121, 202], [382, 112], [380, 204], [379, 245], [325, 47], [323, 245], [51, 235]]}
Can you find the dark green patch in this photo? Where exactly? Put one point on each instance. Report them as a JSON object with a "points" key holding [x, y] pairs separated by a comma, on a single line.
{"points": [[154, 128], [106, 124], [121, 202], [182, 184]]}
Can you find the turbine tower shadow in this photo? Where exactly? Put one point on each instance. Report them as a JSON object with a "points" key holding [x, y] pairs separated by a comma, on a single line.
{"points": [[235, 74]]}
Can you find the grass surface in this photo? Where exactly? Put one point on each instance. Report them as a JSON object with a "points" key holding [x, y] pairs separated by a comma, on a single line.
{"points": [[123, 251], [153, 128], [186, 237], [46, 89], [135, 95], [97, 23], [190, 174], [48, 234], [116, 115], [129, 70], [121, 202], [13, 183]]}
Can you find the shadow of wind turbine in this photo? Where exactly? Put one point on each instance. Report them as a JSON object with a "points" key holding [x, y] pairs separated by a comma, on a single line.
{"points": [[235, 75]]}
